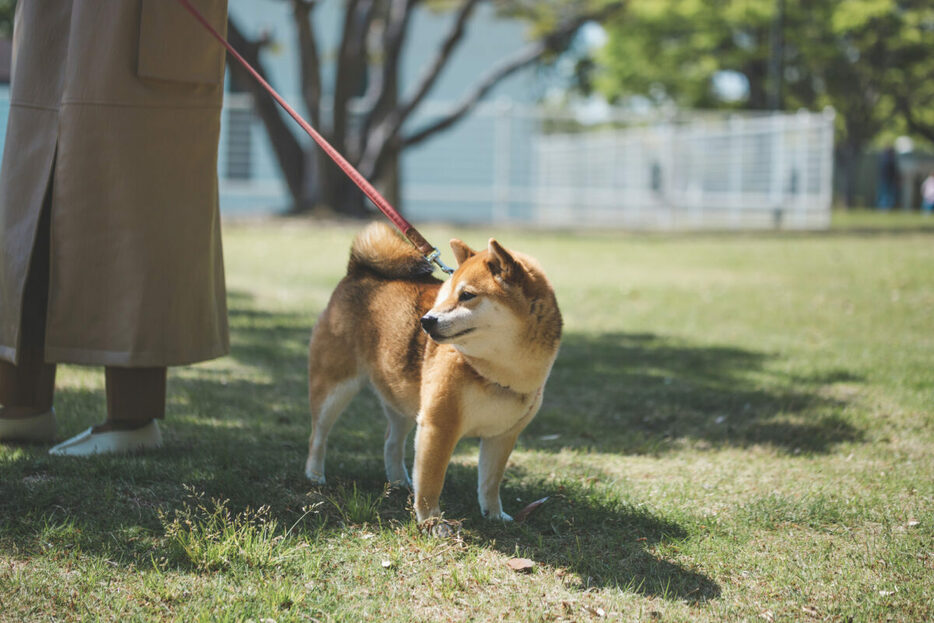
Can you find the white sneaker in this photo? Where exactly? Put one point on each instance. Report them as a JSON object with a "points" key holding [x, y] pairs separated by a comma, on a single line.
{"points": [[35, 428], [110, 442]]}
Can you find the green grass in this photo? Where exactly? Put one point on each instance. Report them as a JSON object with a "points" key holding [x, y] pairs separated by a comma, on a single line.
{"points": [[738, 427]]}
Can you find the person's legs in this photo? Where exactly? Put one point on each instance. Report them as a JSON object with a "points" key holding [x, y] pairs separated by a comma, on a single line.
{"points": [[27, 387], [135, 397], [135, 400]]}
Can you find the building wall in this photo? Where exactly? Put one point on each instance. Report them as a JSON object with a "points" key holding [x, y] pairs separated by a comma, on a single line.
{"points": [[487, 40]]}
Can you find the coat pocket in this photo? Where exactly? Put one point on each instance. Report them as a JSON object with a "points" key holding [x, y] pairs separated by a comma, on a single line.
{"points": [[174, 46]]}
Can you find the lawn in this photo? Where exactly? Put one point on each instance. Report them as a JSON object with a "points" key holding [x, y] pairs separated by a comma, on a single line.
{"points": [[738, 427]]}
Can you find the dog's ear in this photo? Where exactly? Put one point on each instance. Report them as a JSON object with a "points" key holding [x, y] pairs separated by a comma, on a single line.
{"points": [[461, 251], [503, 265]]}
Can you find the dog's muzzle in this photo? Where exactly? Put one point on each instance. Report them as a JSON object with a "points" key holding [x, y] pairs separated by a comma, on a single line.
{"points": [[430, 326], [429, 323]]}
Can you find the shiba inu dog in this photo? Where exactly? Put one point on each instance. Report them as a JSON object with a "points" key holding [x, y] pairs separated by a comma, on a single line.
{"points": [[467, 357]]}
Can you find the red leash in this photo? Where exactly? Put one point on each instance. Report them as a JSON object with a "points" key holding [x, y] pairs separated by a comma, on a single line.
{"points": [[430, 252]]}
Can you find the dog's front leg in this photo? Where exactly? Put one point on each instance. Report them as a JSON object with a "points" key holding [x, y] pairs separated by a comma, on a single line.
{"points": [[494, 454], [434, 446]]}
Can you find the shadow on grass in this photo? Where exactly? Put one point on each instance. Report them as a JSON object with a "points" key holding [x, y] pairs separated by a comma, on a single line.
{"points": [[586, 529], [47, 505], [237, 432], [647, 394]]}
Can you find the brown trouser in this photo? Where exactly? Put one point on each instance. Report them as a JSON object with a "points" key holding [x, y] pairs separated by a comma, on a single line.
{"points": [[134, 395]]}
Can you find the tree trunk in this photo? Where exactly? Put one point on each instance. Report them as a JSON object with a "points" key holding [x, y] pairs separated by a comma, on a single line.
{"points": [[389, 181], [338, 192]]}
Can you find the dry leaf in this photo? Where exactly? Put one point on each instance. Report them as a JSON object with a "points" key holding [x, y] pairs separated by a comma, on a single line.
{"points": [[528, 510], [521, 565]]}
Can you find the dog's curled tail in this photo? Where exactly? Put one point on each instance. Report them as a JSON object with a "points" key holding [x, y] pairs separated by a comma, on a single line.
{"points": [[379, 249]]}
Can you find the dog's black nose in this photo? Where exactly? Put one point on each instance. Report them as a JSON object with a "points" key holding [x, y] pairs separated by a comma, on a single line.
{"points": [[429, 322]]}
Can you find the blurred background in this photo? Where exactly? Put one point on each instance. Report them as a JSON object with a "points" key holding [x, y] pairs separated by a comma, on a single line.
{"points": [[656, 114]]}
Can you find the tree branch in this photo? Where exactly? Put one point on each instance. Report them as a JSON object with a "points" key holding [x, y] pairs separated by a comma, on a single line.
{"points": [[287, 149], [504, 69], [383, 84], [911, 121], [390, 126], [433, 70], [556, 40], [310, 59], [351, 65]]}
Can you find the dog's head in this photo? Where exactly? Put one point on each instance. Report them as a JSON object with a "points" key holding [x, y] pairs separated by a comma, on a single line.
{"points": [[495, 298]]}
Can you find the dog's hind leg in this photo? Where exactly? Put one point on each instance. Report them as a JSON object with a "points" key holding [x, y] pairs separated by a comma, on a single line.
{"points": [[328, 399], [397, 431]]}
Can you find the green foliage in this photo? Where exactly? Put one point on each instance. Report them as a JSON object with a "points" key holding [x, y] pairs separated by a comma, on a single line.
{"points": [[357, 507], [544, 15], [208, 537], [869, 59], [7, 7], [669, 50]]}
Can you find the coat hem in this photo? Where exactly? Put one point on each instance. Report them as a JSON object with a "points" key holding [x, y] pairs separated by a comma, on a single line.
{"points": [[103, 104], [88, 357], [14, 103]]}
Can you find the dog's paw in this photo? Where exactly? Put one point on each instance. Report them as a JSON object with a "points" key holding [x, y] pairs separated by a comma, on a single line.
{"points": [[400, 480], [316, 478], [500, 516], [401, 484]]}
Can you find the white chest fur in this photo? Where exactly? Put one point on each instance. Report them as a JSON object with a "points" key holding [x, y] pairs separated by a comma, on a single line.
{"points": [[489, 410]]}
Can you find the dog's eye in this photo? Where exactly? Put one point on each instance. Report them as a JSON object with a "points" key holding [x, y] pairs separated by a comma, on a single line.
{"points": [[466, 296]]}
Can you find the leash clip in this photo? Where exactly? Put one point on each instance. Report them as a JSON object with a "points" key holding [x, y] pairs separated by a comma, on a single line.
{"points": [[435, 256]]}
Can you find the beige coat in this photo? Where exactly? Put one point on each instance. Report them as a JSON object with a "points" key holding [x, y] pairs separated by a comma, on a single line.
{"points": [[116, 104]]}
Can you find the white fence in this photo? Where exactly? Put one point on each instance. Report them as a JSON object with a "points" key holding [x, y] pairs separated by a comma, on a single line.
{"points": [[693, 172], [508, 164]]}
